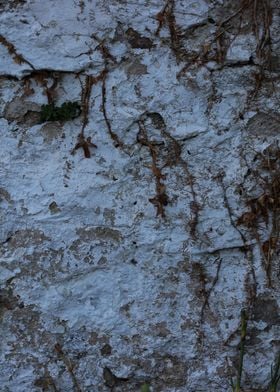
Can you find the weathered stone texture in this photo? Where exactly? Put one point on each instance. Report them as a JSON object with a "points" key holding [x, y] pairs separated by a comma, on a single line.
{"points": [[133, 233]]}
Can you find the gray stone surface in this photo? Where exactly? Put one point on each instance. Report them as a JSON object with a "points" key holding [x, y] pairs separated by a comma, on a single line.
{"points": [[133, 235]]}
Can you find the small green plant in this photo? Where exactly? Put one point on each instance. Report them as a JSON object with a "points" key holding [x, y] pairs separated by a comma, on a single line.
{"points": [[67, 111], [145, 388], [275, 375], [237, 385]]}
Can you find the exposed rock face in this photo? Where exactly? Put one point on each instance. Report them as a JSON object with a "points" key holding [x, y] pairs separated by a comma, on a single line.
{"points": [[133, 234]]}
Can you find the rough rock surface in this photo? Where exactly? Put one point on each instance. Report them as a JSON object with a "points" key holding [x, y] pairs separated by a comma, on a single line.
{"points": [[135, 232]]}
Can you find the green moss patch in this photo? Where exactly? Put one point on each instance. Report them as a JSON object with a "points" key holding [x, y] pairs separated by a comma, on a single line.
{"points": [[66, 112]]}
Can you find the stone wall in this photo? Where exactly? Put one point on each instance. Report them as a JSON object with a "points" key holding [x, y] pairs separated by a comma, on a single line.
{"points": [[139, 194]]}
